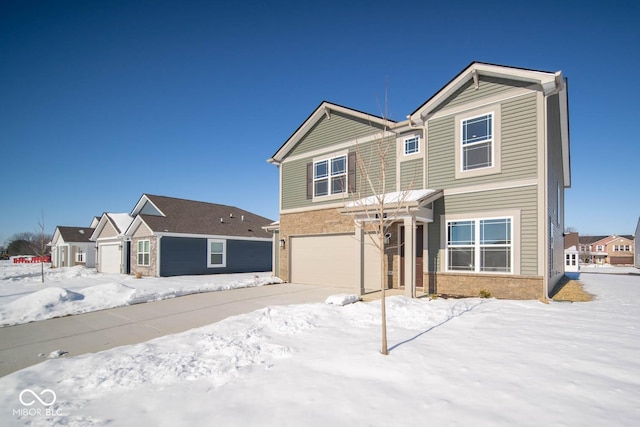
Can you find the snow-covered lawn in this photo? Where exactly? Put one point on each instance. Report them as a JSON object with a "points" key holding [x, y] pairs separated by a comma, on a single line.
{"points": [[73, 290], [452, 362]]}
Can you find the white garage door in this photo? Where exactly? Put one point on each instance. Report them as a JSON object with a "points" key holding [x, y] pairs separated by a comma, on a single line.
{"points": [[332, 260], [109, 258]]}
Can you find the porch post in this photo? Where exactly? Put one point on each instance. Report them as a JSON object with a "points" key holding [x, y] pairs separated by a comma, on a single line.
{"points": [[359, 264], [409, 256]]}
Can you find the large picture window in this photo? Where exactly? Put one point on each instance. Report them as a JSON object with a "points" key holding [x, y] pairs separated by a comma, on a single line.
{"points": [[330, 176], [217, 253], [477, 142], [480, 245], [144, 252]]}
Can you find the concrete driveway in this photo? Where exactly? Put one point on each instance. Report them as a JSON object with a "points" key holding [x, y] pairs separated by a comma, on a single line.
{"points": [[30, 343]]}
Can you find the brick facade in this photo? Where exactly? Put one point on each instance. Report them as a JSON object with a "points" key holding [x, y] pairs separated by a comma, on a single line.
{"points": [[499, 286], [145, 270]]}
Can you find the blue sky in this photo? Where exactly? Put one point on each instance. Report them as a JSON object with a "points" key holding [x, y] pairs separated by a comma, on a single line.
{"points": [[104, 101]]}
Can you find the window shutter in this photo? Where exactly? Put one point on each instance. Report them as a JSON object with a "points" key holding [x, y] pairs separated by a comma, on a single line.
{"points": [[351, 172], [309, 180]]}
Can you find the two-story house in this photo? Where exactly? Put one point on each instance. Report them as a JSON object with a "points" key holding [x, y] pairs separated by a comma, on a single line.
{"points": [[482, 164]]}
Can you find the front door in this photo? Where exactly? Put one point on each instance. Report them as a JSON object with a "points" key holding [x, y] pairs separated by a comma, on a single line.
{"points": [[418, 255]]}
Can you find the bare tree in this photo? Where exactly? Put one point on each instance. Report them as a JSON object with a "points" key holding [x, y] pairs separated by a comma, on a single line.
{"points": [[40, 244], [375, 207]]}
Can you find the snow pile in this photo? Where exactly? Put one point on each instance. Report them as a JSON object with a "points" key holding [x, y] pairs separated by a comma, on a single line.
{"points": [[73, 290], [342, 299], [462, 362]]}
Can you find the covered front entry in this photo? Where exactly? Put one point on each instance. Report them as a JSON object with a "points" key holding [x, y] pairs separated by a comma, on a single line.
{"points": [[332, 260], [419, 239]]}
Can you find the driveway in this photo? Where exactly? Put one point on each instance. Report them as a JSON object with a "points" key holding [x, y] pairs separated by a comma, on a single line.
{"points": [[31, 343]]}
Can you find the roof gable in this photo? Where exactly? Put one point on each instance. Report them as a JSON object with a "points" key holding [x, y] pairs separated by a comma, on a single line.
{"points": [[118, 221], [322, 112], [181, 216], [72, 234]]}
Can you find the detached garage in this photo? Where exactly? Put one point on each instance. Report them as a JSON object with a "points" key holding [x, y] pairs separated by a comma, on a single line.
{"points": [[331, 260]]}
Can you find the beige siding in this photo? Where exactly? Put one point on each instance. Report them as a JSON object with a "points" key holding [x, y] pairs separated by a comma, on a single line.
{"points": [[523, 198], [488, 86], [518, 153], [108, 231], [336, 129], [411, 174]]}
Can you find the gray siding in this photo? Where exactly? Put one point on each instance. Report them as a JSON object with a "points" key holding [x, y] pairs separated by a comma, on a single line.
{"points": [[488, 86], [523, 198], [294, 176], [519, 146], [555, 212], [336, 129], [185, 256], [412, 174]]}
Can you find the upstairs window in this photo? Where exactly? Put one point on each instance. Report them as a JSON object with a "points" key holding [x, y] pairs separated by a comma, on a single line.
{"points": [[330, 176], [477, 142], [411, 145]]}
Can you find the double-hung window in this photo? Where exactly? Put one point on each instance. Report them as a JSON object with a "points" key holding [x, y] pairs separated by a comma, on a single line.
{"points": [[411, 145], [80, 255], [480, 245], [217, 253], [477, 142], [143, 252], [330, 176]]}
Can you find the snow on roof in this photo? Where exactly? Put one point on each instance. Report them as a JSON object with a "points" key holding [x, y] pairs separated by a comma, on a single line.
{"points": [[395, 197], [121, 220]]}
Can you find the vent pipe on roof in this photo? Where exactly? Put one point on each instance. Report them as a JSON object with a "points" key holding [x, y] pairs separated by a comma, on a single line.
{"points": [[221, 220], [230, 215], [242, 218]]}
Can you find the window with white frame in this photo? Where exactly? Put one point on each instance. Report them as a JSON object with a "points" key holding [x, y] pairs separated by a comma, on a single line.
{"points": [[600, 248], [330, 176], [216, 253], [477, 142], [80, 255], [411, 145], [480, 245], [144, 252]]}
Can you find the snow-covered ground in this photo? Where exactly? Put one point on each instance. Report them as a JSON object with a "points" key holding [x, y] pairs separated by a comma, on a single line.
{"points": [[452, 362], [73, 290]]}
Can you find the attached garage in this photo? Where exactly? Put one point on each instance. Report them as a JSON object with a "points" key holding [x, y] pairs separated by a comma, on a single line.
{"points": [[333, 260], [621, 260], [109, 258]]}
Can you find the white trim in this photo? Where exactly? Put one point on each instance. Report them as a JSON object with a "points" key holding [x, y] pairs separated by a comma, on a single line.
{"points": [[138, 207], [329, 158], [315, 208], [514, 214], [481, 103], [338, 147], [491, 186], [212, 236], [138, 252], [320, 112], [495, 110], [404, 146], [224, 253]]}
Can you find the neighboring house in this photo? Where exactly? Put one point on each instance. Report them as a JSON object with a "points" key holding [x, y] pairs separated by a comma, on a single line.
{"points": [[613, 250], [72, 246], [571, 252], [171, 237], [112, 245], [488, 159]]}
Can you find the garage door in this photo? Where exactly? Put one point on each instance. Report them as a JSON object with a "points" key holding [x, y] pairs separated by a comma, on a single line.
{"points": [[109, 257], [332, 260]]}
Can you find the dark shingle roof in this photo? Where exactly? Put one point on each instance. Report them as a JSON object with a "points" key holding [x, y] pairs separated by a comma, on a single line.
{"points": [[193, 217], [75, 234]]}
